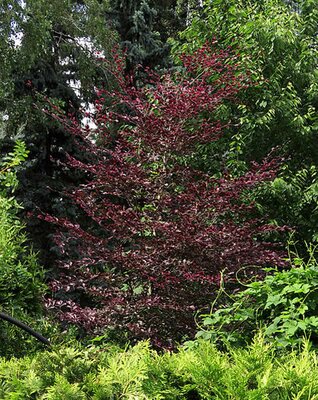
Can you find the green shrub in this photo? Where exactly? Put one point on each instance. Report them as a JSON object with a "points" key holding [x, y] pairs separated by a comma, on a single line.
{"points": [[197, 372], [284, 304], [277, 47], [21, 277], [62, 390]]}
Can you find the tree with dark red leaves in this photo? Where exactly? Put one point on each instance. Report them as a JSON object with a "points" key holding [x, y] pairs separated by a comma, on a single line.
{"points": [[160, 232]]}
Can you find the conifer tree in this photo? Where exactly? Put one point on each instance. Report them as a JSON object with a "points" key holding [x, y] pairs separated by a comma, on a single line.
{"points": [[135, 20], [47, 51]]}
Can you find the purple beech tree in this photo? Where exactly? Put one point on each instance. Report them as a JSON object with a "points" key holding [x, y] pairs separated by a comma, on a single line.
{"points": [[161, 231]]}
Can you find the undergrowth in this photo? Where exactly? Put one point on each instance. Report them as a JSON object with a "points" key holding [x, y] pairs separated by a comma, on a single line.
{"points": [[284, 305], [21, 276], [199, 372]]}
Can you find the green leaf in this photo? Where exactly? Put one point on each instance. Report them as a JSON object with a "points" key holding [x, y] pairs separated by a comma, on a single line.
{"points": [[208, 321], [274, 300], [303, 325], [138, 290], [290, 327]]}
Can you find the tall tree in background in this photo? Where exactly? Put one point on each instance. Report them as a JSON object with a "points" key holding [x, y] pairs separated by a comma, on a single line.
{"points": [[144, 27], [276, 41], [134, 20], [48, 50]]}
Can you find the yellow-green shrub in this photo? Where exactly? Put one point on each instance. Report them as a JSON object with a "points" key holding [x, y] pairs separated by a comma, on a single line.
{"points": [[198, 372]]}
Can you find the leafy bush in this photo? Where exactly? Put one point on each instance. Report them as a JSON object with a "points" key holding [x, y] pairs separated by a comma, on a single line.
{"points": [[293, 199], [152, 233], [20, 275], [278, 48], [276, 42], [21, 278], [284, 305], [199, 372]]}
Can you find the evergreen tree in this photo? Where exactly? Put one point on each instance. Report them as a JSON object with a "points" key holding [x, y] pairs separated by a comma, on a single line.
{"points": [[134, 20], [144, 27], [48, 52]]}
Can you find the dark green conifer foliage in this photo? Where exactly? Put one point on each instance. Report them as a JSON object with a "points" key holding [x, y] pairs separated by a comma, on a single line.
{"points": [[48, 51], [144, 27], [135, 21]]}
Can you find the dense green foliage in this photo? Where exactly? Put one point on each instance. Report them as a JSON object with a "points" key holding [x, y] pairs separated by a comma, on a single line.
{"points": [[50, 51], [278, 48], [21, 277], [200, 372], [134, 20], [144, 27], [283, 304]]}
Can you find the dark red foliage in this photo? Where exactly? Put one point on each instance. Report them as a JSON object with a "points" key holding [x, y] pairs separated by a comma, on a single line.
{"points": [[162, 231]]}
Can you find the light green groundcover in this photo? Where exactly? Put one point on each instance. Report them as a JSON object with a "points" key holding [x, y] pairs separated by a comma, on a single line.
{"points": [[198, 372]]}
